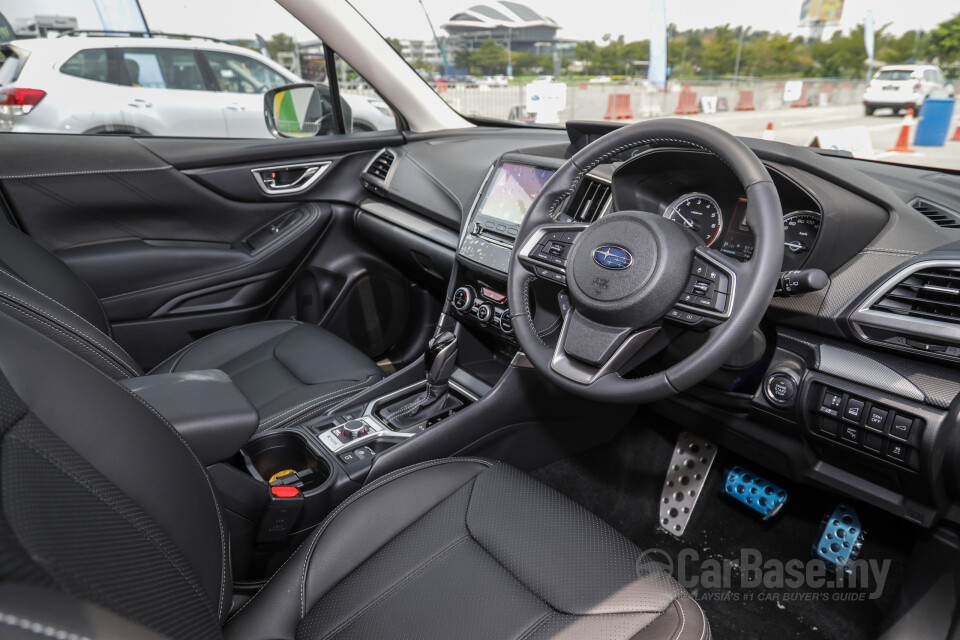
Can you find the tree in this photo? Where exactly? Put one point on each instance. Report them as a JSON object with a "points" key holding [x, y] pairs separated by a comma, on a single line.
{"points": [[944, 43], [491, 57], [280, 42], [393, 42], [720, 51]]}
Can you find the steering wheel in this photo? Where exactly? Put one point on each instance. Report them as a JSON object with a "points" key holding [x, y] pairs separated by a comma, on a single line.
{"points": [[630, 271]]}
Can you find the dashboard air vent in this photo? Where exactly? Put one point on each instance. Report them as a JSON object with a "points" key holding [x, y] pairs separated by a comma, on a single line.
{"points": [[590, 201], [932, 294], [380, 167], [937, 214]]}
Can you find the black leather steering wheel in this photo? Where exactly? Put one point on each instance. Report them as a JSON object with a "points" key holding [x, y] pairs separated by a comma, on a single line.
{"points": [[628, 271]]}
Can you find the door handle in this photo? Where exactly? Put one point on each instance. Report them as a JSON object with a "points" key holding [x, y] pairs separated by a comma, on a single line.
{"points": [[286, 179], [140, 102], [236, 106]]}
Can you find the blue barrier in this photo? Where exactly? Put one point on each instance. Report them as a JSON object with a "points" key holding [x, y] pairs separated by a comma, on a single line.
{"points": [[934, 124]]}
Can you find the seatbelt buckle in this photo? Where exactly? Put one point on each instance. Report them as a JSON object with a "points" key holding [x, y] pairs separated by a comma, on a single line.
{"points": [[280, 517]]}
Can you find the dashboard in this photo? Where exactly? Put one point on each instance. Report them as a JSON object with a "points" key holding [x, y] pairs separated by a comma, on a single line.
{"points": [[825, 389]]}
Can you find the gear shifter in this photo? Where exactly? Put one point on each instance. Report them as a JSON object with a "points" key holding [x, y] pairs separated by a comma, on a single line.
{"points": [[439, 361]]}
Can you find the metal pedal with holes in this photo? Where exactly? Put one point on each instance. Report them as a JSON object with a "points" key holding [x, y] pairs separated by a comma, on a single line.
{"points": [[689, 466], [759, 494], [841, 539]]}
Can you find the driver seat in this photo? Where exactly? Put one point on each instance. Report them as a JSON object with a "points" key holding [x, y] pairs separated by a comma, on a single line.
{"points": [[107, 511]]}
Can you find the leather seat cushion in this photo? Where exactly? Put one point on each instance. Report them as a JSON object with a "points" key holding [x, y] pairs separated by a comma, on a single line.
{"points": [[289, 370], [467, 548]]}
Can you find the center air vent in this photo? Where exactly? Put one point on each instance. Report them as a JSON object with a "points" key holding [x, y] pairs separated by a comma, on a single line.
{"points": [[590, 201], [932, 293], [380, 167], [937, 213]]}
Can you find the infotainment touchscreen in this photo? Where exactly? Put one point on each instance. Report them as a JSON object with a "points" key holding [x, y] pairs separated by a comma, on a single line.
{"points": [[511, 191]]}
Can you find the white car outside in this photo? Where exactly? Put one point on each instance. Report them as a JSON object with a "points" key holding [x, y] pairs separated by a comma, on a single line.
{"points": [[149, 86], [494, 81], [904, 87]]}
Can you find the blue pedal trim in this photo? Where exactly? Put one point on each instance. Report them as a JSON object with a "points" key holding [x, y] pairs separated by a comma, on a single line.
{"points": [[841, 539], [757, 493]]}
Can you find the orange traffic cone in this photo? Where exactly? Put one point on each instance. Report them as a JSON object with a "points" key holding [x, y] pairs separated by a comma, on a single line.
{"points": [[768, 132], [903, 140], [956, 135]]}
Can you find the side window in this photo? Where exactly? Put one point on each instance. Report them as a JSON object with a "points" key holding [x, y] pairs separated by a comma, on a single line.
{"points": [[163, 69], [241, 74], [90, 64], [369, 111]]}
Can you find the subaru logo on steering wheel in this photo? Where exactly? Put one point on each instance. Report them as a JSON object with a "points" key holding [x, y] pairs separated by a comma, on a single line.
{"points": [[612, 257]]}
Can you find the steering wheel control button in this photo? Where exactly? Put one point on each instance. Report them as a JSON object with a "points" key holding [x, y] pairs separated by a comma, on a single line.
{"points": [[854, 410], [781, 389], [463, 298], [901, 427], [876, 419], [550, 274]]}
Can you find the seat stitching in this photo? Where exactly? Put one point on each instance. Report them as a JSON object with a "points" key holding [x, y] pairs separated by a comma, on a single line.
{"points": [[75, 339], [683, 618], [70, 311], [537, 624], [29, 176], [356, 496], [65, 325], [269, 253], [316, 401], [320, 528], [183, 351], [39, 628], [389, 592]]}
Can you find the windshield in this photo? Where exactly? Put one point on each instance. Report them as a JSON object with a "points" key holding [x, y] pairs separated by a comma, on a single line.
{"points": [[797, 71], [872, 78]]}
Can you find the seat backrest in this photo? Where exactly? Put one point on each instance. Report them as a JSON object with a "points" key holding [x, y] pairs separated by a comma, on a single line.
{"points": [[50, 297], [100, 498]]}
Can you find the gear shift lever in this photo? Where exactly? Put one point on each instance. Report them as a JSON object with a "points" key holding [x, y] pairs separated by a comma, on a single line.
{"points": [[439, 361]]}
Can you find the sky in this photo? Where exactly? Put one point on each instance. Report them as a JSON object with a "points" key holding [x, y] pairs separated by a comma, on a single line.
{"points": [[405, 19]]}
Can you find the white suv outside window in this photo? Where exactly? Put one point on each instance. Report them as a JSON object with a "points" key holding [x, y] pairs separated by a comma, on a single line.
{"points": [[149, 86], [904, 87]]}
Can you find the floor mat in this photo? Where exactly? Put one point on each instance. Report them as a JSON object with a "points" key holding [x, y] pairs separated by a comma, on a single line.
{"points": [[621, 482]]}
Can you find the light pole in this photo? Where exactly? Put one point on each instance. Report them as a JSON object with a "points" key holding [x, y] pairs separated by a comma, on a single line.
{"points": [[736, 66]]}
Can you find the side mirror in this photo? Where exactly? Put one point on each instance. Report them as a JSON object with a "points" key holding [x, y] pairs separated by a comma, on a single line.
{"points": [[303, 111]]}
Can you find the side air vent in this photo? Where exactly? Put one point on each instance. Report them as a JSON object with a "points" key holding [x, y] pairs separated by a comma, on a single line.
{"points": [[937, 214], [380, 167], [932, 294], [590, 201]]}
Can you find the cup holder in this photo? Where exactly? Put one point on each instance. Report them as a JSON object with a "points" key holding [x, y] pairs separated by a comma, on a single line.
{"points": [[273, 453]]}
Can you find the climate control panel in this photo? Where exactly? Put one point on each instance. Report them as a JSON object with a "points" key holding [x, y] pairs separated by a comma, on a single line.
{"points": [[485, 306]]}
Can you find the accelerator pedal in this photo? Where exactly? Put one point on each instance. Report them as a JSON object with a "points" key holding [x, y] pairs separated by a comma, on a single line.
{"points": [[841, 539], [689, 466], [759, 494]]}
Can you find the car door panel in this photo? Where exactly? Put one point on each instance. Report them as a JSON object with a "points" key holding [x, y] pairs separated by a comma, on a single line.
{"points": [[175, 253]]}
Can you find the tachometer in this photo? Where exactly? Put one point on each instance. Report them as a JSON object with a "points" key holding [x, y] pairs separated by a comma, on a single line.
{"points": [[800, 229], [699, 213]]}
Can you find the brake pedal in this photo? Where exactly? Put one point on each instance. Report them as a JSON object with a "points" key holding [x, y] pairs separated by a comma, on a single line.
{"points": [[841, 539], [689, 467], [758, 493]]}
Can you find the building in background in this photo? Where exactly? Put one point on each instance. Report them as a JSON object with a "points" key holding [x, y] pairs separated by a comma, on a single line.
{"points": [[512, 24], [426, 51]]}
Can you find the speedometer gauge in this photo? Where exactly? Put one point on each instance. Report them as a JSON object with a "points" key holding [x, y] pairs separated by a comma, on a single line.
{"points": [[800, 230], [698, 212]]}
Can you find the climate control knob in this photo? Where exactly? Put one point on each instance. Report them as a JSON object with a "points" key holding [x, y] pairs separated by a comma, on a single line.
{"points": [[506, 322], [485, 313], [463, 298]]}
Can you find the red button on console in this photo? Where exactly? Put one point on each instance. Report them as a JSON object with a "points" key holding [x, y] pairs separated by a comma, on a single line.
{"points": [[285, 492]]}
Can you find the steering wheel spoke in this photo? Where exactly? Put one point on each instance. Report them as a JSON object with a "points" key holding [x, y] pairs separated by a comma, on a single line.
{"points": [[545, 252], [587, 351]]}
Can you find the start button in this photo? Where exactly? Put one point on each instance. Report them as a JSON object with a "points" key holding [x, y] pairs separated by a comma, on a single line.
{"points": [[781, 389]]}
